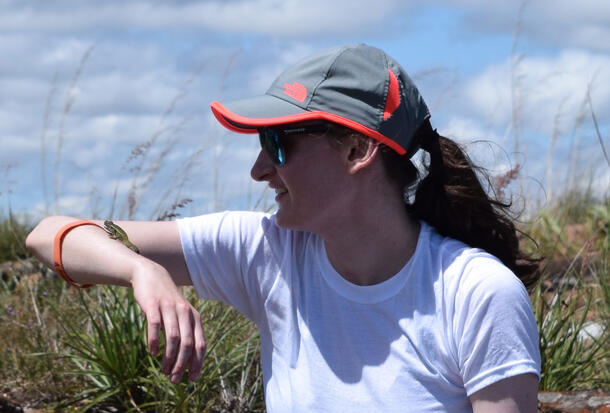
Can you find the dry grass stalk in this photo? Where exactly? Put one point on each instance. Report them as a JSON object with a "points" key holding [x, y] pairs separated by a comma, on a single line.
{"points": [[505, 179], [140, 153], [70, 99], [171, 213], [43, 146], [597, 132], [178, 179], [554, 137]]}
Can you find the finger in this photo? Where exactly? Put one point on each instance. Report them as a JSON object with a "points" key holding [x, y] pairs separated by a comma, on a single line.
{"points": [[186, 341], [153, 319], [199, 350], [172, 338]]}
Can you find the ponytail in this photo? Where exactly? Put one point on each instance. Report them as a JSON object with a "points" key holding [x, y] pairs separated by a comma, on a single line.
{"points": [[452, 200]]}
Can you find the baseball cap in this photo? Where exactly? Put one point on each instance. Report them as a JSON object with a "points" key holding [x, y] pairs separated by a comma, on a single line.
{"points": [[357, 86]]}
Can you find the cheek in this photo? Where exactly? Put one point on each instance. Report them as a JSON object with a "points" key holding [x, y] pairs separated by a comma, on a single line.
{"points": [[321, 188], [314, 171]]}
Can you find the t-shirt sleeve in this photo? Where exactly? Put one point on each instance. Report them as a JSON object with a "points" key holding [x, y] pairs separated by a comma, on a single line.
{"points": [[230, 257], [495, 326]]}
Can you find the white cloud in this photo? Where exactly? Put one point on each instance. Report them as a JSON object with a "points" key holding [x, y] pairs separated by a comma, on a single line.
{"points": [[480, 141], [546, 90], [278, 17], [584, 23], [150, 57], [462, 129], [13, 146]]}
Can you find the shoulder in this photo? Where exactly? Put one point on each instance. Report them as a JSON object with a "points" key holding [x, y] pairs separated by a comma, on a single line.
{"points": [[231, 218], [468, 271], [490, 323], [241, 227], [226, 224]]}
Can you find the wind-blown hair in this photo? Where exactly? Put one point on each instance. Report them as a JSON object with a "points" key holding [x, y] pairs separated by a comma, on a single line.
{"points": [[452, 199]]}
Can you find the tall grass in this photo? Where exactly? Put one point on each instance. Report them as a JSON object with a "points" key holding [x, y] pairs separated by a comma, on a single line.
{"points": [[108, 350], [31, 335], [572, 298], [67, 348], [12, 234]]}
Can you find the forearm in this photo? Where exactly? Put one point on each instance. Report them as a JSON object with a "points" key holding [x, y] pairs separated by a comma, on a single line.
{"points": [[89, 256]]}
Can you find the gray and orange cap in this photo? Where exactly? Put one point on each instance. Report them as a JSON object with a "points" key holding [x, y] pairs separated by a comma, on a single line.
{"points": [[358, 86]]}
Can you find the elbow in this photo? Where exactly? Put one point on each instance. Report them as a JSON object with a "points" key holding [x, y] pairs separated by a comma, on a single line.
{"points": [[30, 241], [40, 239], [35, 239]]}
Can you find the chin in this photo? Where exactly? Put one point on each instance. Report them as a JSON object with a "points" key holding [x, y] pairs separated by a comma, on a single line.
{"points": [[286, 221], [282, 221]]}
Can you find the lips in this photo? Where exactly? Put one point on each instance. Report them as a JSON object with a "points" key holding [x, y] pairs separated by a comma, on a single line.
{"points": [[279, 192]]}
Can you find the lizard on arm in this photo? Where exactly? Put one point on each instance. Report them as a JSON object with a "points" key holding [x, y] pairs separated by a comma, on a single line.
{"points": [[90, 256]]}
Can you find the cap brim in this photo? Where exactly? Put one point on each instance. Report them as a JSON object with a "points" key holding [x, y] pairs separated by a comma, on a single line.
{"points": [[248, 115]]}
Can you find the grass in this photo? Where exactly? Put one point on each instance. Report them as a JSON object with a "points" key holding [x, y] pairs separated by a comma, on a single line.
{"points": [[65, 348], [574, 294], [29, 328], [68, 349], [12, 234], [109, 352]]}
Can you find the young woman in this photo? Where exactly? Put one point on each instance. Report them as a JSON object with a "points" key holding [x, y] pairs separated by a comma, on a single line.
{"points": [[373, 289]]}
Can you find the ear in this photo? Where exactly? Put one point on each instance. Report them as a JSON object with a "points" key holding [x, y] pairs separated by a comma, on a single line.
{"points": [[361, 153]]}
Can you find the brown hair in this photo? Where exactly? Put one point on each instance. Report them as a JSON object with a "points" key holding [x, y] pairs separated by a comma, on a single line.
{"points": [[452, 199]]}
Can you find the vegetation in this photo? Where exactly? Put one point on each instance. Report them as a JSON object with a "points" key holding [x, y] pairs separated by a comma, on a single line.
{"points": [[85, 350], [66, 348], [572, 301]]}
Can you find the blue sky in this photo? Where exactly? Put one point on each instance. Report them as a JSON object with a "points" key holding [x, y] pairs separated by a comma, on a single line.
{"points": [[104, 109]]}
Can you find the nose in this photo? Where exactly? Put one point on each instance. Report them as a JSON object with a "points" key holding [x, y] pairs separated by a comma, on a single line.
{"points": [[263, 168]]}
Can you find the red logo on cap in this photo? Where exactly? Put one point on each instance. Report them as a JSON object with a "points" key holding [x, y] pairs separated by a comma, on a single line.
{"points": [[296, 91]]}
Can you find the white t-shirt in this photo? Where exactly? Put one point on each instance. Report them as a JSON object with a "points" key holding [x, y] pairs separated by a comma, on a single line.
{"points": [[453, 321]]}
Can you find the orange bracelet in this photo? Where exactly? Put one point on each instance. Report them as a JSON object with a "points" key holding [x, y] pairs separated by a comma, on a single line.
{"points": [[57, 243]]}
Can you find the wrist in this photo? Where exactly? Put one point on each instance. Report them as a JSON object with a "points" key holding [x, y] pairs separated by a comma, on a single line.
{"points": [[146, 269]]}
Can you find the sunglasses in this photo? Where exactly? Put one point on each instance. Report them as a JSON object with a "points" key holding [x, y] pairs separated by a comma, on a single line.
{"points": [[270, 139]]}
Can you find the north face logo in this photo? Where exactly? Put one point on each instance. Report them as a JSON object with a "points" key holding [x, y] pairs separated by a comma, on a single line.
{"points": [[296, 91]]}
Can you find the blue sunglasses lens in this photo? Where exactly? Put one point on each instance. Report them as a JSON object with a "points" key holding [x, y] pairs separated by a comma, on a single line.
{"points": [[270, 139], [270, 142]]}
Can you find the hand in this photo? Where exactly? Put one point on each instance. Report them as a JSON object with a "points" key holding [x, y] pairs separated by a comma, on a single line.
{"points": [[165, 307]]}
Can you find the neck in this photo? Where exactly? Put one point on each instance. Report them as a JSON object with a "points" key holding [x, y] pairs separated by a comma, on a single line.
{"points": [[375, 249]]}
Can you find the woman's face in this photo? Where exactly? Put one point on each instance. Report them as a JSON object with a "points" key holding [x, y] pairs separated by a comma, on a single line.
{"points": [[310, 186]]}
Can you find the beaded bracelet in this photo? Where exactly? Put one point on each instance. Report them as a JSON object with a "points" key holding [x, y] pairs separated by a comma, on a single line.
{"points": [[57, 243]]}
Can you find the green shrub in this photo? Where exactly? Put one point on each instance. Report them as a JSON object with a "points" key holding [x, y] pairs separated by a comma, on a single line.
{"points": [[110, 353], [573, 294], [12, 239]]}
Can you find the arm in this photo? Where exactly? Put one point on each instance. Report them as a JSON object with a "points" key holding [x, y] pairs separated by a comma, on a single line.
{"points": [[516, 394], [90, 256]]}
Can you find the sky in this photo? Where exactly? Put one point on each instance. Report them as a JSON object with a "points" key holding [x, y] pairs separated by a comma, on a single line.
{"points": [[104, 106]]}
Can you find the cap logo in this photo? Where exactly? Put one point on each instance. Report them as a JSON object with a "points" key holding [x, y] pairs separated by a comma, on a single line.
{"points": [[393, 99], [296, 91]]}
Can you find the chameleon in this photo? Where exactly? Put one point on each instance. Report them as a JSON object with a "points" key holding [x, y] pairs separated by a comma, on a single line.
{"points": [[116, 232]]}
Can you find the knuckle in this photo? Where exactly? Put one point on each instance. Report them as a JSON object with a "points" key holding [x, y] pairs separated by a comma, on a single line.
{"points": [[173, 335], [201, 348], [182, 306]]}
